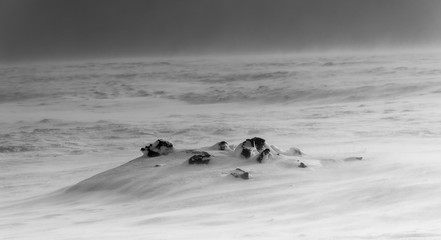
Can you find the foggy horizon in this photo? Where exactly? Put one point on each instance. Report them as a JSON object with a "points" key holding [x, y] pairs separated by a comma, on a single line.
{"points": [[49, 29]]}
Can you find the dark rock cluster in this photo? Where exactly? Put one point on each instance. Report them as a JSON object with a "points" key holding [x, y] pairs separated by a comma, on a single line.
{"points": [[159, 147]]}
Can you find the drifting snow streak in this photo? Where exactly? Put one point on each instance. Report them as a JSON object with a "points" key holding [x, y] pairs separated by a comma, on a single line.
{"points": [[280, 80], [64, 126]]}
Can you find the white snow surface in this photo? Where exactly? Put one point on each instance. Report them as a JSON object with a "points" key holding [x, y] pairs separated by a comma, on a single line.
{"points": [[71, 134]]}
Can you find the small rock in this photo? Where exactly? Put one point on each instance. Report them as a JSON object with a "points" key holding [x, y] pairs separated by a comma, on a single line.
{"points": [[200, 159], [302, 165]]}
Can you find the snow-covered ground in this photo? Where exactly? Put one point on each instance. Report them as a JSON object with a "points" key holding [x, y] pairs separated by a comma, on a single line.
{"points": [[68, 131]]}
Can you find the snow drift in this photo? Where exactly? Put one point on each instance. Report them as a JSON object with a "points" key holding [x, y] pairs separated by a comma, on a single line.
{"points": [[68, 131]]}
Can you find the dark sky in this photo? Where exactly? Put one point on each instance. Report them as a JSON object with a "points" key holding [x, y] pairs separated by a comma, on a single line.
{"points": [[40, 29]]}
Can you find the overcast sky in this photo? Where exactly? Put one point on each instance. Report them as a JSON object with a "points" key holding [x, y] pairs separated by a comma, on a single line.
{"points": [[39, 29]]}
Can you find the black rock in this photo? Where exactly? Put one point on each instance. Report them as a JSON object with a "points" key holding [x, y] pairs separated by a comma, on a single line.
{"points": [[246, 153], [239, 173], [146, 150], [151, 153], [259, 143], [262, 155], [223, 145], [160, 143], [302, 165], [159, 147], [200, 159]]}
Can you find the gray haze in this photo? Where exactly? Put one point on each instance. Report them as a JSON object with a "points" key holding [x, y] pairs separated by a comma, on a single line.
{"points": [[39, 29]]}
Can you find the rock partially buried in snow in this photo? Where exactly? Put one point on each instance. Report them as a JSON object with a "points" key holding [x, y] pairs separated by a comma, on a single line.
{"points": [[239, 173], [254, 149], [203, 158], [302, 165], [250, 148], [158, 148], [353, 159], [265, 154], [257, 149], [259, 143], [222, 146]]}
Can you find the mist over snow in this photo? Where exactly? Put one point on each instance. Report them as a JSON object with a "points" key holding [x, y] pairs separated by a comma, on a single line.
{"points": [[71, 132], [346, 94]]}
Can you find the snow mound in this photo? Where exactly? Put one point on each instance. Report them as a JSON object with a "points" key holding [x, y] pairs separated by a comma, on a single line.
{"points": [[171, 175]]}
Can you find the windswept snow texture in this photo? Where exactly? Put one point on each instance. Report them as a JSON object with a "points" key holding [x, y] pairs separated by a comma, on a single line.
{"points": [[71, 134]]}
